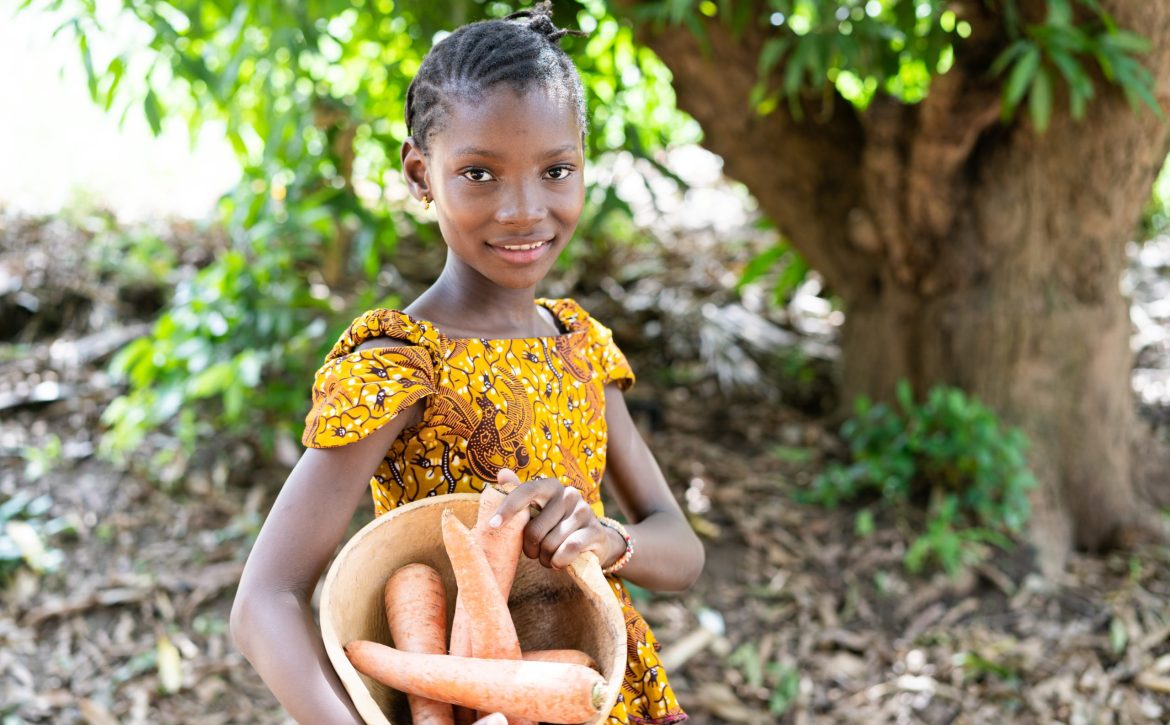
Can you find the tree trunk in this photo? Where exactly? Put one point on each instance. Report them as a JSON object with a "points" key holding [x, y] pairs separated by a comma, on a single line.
{"points": [[968, 252]]}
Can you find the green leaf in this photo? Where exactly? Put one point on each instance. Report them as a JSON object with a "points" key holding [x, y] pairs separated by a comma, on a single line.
{"points": [[1020, 78], [1040, 100], [114, 71], [1009, 54], [760, 265], [905, 395], [153, 112], [1059, 12], [1129, 42], [86, 61], [771, 54], [864, 524], [1080, 86]]}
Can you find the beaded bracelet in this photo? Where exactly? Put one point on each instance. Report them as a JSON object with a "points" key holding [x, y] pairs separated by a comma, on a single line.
{"points": [[624, 558]]}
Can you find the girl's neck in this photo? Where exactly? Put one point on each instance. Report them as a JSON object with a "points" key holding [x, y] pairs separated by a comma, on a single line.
{"points": [[464, 303]]}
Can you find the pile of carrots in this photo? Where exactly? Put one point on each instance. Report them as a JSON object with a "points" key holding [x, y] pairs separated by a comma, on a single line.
{"points": [[484, 670]]}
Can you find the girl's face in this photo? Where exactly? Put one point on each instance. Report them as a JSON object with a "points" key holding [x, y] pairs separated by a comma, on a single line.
{"points": [[505, 171]]}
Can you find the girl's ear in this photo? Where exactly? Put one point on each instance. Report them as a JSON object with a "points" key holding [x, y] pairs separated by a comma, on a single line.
{"points": [[414, 168]]}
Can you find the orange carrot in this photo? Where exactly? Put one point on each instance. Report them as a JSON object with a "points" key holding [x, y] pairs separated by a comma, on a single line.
{"points": [[501, 546], [492, 633], [569, 656], [552, 692], [416, 608]]}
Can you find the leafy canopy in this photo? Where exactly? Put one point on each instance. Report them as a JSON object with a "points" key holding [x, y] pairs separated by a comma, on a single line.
{"points": [[866, 47], [311, 93], [311, 97]]}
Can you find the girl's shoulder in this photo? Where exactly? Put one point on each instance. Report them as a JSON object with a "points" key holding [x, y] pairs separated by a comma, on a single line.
{"points": [[359, 389], [385, 323], [574, 318], [597, 345]]}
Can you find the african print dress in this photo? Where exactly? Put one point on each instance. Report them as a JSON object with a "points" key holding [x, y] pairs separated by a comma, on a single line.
{"points": [[536, 405]]}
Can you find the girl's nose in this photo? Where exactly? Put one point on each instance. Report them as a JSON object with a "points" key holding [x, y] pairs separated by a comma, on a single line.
{"points": [[523, 206]]}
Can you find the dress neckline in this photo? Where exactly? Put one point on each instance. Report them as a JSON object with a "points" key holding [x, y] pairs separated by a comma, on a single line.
{"points": [[565, 312]]}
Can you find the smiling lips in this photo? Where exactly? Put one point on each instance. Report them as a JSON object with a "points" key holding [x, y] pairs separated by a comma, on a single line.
{"points": [[520, 251], [522, 247]]}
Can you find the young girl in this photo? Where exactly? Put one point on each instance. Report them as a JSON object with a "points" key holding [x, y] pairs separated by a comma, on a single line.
{"points": [[476, 376]]}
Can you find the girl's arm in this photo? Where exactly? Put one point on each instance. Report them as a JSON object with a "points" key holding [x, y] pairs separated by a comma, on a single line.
{"points": [[271, 620], [668, 556]]}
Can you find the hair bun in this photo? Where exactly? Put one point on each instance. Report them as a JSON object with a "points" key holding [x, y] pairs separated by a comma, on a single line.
{"points": [[539, 18]]}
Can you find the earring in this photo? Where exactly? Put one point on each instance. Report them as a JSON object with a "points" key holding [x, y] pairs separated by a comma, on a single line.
{"points": [[426, 203]]}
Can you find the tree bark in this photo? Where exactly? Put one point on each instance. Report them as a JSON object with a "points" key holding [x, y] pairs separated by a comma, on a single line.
{"points": [[968, 252]]}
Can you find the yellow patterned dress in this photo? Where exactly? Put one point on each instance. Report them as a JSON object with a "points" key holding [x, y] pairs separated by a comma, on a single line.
{"points": [[536, 405]]}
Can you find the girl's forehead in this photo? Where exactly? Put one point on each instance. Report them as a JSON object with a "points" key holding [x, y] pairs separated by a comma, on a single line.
{"points": [[508, 122]]}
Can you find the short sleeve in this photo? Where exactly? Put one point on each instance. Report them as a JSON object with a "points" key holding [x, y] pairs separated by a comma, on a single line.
{"points": [[608, 358], [358, 393]]}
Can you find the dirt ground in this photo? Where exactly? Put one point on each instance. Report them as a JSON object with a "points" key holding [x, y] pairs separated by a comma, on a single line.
{"points": [[796, 618]]}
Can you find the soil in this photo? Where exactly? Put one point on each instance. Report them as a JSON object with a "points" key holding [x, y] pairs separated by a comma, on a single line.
{"points": [[796, 618]]}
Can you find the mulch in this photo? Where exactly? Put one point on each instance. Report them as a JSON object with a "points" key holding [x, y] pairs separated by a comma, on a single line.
{"points": [[796, 618]]}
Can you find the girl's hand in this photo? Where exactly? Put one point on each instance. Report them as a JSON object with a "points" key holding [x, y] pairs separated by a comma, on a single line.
{"points": [[564, 527]]}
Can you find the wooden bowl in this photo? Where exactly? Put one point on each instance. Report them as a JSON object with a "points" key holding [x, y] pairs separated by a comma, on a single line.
{"points": [[552, 609]]}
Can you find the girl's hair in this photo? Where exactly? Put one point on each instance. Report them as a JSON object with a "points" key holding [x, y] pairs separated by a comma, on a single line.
{"points": [[522, 50]]}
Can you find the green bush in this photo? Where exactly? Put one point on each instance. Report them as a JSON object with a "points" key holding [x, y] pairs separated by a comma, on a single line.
{"points": [[950, 453], [235, 352]]}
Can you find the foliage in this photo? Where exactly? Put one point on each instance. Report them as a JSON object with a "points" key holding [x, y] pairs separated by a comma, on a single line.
{"points": [[863, 47], [780, 268], [1156, 216], [1061, 48], [311, 98], [950, 449], [24, 528], [225, 327]]}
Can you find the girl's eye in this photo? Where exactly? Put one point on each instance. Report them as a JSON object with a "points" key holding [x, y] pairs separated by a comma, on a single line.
{"points": [[560, 173], [478, 175]]}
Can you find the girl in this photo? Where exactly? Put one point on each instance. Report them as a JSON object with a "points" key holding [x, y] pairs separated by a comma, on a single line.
{"points": [[476, 376]]}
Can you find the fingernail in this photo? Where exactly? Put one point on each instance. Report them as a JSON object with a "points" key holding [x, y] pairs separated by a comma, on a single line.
{"points": [[496, 521]]}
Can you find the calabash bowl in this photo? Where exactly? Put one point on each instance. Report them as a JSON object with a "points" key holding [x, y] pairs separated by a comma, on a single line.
{"points": [[574, 608]]}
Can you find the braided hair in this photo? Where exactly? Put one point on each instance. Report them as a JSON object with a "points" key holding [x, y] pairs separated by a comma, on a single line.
{"points": [[522, 50]]}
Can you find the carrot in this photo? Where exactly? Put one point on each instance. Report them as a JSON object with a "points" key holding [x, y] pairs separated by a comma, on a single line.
{"points": [[416, 608], [501, 546], [492, 633], [552, 692], [569, 656]]}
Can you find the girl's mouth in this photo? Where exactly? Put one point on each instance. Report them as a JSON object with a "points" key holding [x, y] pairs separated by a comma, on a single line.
{"points": [[522, 252]]}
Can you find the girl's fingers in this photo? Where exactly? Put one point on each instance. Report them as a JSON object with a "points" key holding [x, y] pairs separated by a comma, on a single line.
{"points": [[542, 525], [576, 542], [507, 478], [562, 523], [536, 492], [575, 516]]}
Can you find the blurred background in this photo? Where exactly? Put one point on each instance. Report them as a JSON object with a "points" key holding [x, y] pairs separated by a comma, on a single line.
{"points": [[892, 275]]}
